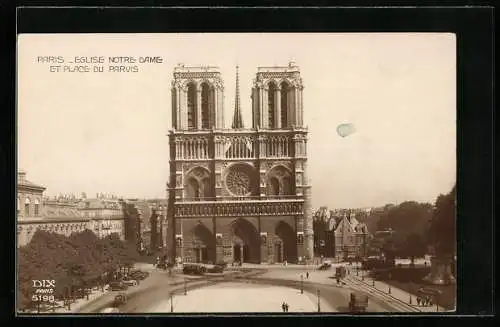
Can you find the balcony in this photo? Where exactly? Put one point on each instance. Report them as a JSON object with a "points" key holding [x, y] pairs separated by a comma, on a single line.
{"points": [[240, 198], [240, 206]]}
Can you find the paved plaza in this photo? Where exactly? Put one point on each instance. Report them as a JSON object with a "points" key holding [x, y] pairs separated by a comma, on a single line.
{"points": [[239, 297]]}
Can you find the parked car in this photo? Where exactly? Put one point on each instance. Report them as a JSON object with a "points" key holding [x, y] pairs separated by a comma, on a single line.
{"points": [[118, 286], [194, 269], [216, 269], [223, 264], [120, 299], [139, 275], [129, 281], [325, 266]]}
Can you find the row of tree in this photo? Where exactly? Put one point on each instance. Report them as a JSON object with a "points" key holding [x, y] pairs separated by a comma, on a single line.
{"points": [[420, 227], [75, 263]]}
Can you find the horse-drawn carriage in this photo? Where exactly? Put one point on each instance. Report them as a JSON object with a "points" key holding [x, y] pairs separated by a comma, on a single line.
{"points": [[358, 302]]}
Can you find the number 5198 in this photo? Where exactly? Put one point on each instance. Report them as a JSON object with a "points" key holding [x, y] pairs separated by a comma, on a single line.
{"points": [[42, 298]]}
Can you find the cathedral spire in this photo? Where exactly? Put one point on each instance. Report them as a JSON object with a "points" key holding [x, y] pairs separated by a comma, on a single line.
{"points": [[237, 120]]}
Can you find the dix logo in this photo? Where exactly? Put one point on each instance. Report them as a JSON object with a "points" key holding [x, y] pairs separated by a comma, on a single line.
{"points": [[46, 283]]}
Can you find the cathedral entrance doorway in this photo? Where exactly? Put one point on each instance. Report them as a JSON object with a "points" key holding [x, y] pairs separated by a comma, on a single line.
{"points": [[246, 241], [201, 254], [203, 246], [287, 241], [278, 250], [240, 253]]}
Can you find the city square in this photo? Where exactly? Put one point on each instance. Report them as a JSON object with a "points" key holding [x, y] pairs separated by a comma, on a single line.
{"points": [[235, 224]]}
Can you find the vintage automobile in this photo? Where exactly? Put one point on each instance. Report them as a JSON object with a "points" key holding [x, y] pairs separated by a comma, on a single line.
{"points": [[118, 286], [139, 274], [120, 299], [358, 302], [191, 269], [129, 281], [325, 266], [216, 269]]}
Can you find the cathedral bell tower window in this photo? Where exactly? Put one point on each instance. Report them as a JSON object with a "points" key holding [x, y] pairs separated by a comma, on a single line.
{"points": [[205, 106], [191, 106]]}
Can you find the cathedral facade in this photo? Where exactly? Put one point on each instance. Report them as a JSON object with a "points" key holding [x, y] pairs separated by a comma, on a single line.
{"points": [[238, 194]]}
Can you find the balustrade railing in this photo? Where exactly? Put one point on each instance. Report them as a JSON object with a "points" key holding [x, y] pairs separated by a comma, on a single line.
{"points": [[240, 198]]}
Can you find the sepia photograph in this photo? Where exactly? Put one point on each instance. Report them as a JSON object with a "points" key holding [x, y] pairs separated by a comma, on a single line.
{"points": [[235, 173]]}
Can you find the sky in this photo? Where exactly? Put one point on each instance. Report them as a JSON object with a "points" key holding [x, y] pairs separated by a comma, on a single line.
{"points": [[107, 131]]}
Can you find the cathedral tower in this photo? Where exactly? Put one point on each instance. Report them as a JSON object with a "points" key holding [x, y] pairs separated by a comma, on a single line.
{"points": [[197, 98], [238, 194]]}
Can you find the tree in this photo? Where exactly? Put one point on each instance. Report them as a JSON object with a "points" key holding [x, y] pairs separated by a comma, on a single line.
{"points": [[414, 247], [78, 261], [442, 231], [442, 235], [389, 250]]}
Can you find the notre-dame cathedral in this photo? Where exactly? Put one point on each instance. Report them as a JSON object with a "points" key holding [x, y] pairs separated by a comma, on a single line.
{"points": [[238, 194]]}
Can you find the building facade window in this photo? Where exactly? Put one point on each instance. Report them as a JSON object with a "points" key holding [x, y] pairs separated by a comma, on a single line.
{"points": [[37, 207], [27, 203]]}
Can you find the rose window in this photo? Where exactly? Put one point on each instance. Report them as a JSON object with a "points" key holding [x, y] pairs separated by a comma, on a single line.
{"points": [[239, 181]]}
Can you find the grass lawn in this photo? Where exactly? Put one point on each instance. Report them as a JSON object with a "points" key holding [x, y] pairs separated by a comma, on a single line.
{"points": [[447, 299]]}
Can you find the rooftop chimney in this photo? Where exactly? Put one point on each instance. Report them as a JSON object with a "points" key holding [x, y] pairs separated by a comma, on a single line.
{"points": [[21, 176]]}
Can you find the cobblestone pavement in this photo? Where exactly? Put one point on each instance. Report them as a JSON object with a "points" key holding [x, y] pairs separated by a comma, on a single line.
{"points": [[159, 285], [399, 300], [240, 297]]}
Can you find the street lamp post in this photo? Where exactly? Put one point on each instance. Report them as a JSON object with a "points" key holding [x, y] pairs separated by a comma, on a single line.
{"points": [[389, 291], [171, 302], [411, 290], [185, 286], [319, 306], [301, 284]]}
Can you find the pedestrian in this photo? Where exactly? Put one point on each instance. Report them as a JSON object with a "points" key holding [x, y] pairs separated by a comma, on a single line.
{"points": [[418, 301], [286, 307], [307, 275], [283, 306]]}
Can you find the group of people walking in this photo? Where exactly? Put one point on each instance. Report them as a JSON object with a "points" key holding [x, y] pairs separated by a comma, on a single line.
{"points": [[424, 301], [284, 306]]}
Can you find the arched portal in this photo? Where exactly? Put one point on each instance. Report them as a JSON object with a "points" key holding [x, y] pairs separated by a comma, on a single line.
{"points": [[246, 241], [286, 245], [203, 244]]}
